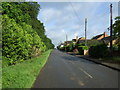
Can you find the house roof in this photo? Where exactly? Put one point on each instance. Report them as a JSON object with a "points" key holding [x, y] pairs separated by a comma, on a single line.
{"points": [[74, 40], [82, 38], [82, 41], [96, 37], [68, 42], [106, 38]]}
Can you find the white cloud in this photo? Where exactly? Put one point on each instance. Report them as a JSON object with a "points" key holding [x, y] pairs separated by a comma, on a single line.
{"points": [[47, 15], [59, 22]]}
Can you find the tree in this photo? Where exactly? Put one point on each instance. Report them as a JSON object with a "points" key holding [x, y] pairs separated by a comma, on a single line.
{"points": [[23, 35], [116, 29], [116, 26]]}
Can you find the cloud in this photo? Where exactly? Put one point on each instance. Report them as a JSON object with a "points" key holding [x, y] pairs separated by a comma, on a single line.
{"points": [[63, 18], [49, 14]]}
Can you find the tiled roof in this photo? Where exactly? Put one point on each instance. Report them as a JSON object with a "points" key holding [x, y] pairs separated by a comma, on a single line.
{"points": [[96, 37]]}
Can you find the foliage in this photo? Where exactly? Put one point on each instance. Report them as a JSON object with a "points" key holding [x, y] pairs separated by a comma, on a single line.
{"points": [[94, 42], [70, 47], [21, 39], [81, 49], [116, 26], [81, 44], [116, 29], [23, 75], [61, 48], [115, 48], [15, 39], [98, 51]]}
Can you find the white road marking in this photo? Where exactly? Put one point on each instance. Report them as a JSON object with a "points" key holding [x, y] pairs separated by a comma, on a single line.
{"points": [[86, 73]]}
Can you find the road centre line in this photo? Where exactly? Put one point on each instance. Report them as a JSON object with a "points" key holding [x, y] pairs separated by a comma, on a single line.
{"points": [[86, 73], [83, 71]]}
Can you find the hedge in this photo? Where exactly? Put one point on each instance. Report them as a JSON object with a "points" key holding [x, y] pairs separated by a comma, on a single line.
{"points": [[98, 51], [81, 49]]}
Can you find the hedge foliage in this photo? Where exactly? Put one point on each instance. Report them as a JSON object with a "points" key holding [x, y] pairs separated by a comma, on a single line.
{"points": [[20, 39], [81, 49], [98, 51]]}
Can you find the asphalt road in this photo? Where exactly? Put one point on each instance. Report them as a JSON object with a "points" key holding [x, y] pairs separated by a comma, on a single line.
{"points": [[67, 71]]}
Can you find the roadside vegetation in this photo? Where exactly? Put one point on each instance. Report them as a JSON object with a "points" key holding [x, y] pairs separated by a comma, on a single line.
{"points": [[23, 35], [23, 75], [25, 47]]}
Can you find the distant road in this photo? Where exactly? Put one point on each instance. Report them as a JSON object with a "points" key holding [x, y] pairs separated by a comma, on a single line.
{"points": [[67, 71]]}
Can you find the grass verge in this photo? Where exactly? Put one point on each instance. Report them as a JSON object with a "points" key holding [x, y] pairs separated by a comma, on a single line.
{"points": [[23, 75], [114, 59]]}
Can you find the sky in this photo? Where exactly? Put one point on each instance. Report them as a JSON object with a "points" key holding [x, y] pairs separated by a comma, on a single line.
{"points": [[68, 18]]}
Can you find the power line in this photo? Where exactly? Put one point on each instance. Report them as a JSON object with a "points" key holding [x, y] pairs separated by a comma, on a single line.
{"points": [[74, 11]]}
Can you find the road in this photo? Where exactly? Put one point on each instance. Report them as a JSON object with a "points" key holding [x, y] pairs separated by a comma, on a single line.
{"points": [[66, 71]]}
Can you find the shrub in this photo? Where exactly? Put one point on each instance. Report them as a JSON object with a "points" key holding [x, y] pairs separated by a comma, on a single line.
{"points": [[94, 42], [81, 49], [119, 48], [98, 51], [115, 48], [18, 41], [70, 47]]}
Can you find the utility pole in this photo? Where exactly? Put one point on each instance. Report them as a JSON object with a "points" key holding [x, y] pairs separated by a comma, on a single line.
{"points": [[111, 27], [85, 31], [66, 43]]}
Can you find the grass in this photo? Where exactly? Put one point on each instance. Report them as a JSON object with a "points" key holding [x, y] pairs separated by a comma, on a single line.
{"points": [[23, 75], [114, 59], [0, 74]]}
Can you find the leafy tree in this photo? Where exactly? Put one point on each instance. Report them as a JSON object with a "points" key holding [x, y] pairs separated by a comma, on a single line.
{"points": [[23, 35], [116, 26], [116, 29], [16, 41]]}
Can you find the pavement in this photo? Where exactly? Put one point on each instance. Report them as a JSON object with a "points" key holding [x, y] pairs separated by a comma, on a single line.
{"points": [[67, 71], [111, 65]]}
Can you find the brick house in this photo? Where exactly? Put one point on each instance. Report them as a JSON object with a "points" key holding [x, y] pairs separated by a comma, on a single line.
{"points": [[101, 36], [105, 38]]}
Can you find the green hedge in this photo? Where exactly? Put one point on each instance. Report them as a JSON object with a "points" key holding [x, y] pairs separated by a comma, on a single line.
{"points": [[81, 49], [98, 51], [18, 41]]}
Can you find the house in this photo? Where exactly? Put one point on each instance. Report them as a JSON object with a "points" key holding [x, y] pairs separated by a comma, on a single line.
{"points": [[107, 40], [68, 43], [78, 40], [61, 45], [75, 40], [104, 38], [101, 36]]}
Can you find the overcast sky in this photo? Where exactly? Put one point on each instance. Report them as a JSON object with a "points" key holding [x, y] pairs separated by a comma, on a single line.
{"points": [[61, 18]]}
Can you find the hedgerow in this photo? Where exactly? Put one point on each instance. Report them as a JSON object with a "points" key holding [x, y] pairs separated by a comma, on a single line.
{"points": [[21, 37]]}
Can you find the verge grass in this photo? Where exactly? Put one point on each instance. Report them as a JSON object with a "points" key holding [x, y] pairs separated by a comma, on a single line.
{"points": [[114, 59], [23, 75]]}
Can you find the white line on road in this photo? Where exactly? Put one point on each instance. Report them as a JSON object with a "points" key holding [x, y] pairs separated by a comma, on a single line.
{"points": [[86, 73]]}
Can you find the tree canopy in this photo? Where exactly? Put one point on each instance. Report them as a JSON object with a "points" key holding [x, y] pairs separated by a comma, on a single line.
{"points": [[23, 34], [116, 29]]}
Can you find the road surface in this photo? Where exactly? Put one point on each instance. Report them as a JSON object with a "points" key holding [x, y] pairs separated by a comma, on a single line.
{"points": [[66, 71]]}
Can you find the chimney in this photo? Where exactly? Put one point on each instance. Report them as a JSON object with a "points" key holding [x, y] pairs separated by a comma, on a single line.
{"points": [[76, 38], [105, 35]]}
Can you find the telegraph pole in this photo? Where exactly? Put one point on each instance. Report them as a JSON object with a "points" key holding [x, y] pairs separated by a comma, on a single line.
{"points": [[111, 27], [85, 31], [66, 43]]}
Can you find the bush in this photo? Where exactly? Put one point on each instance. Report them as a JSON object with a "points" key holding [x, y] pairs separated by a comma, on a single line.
{"points": [[98, 51], [119, 48], [18, 41], [81, 49], [70, 47], [115, 48], [94, 42]]}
